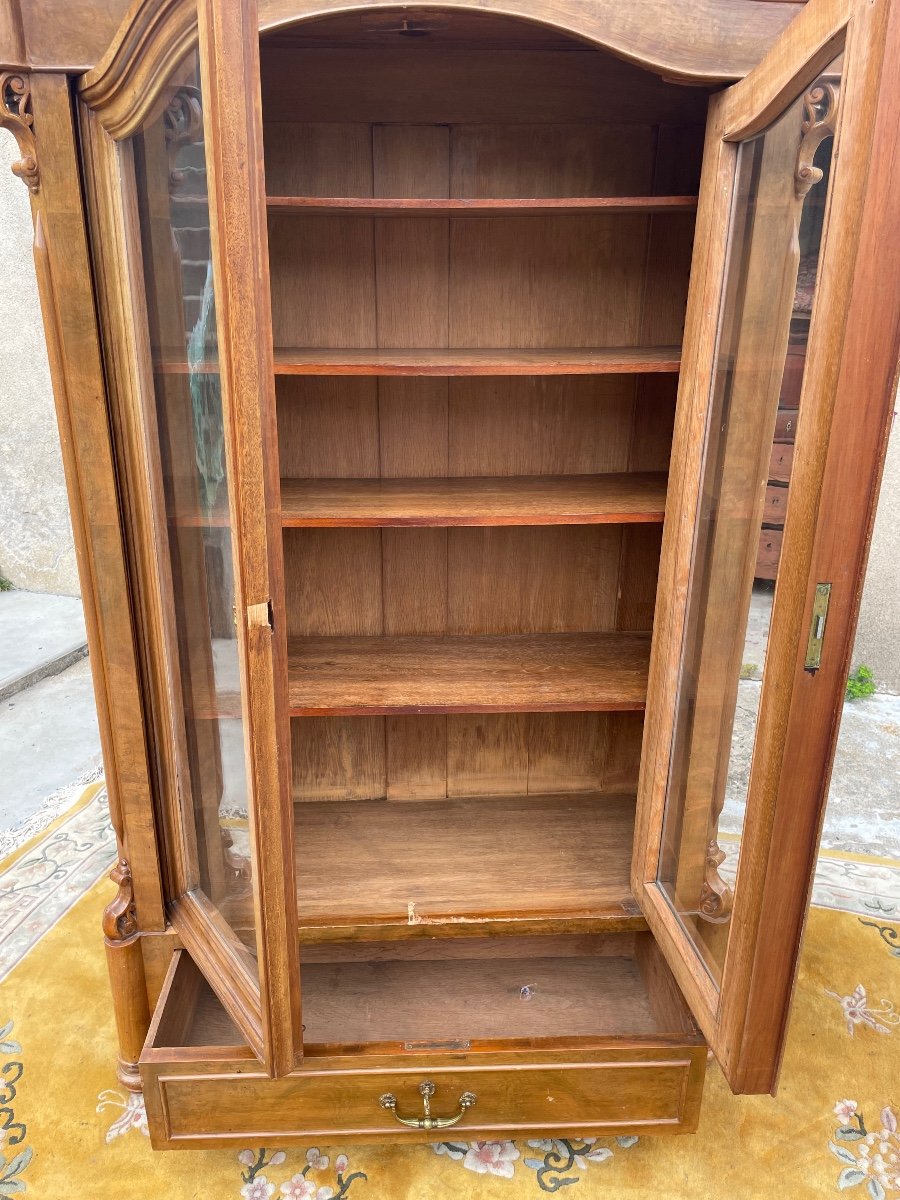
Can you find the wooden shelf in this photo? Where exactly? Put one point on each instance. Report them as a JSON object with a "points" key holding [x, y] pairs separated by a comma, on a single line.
{"points": [[529, 500], [394, 868], [555, 672], [596, 360], [366, 206]]}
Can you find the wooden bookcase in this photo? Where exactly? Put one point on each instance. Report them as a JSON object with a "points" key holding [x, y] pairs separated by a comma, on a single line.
{"points": [[439, 354], [477, 311]]}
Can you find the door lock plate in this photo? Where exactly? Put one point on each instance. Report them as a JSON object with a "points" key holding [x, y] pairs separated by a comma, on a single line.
{"points": [[817, 626]]}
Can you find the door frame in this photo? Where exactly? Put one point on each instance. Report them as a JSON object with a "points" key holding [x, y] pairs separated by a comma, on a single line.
{"points": [[853, 351], [263, 998]]}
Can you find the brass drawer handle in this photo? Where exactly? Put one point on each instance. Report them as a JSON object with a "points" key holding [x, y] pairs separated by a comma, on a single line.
{"points": [[427, 1090]]}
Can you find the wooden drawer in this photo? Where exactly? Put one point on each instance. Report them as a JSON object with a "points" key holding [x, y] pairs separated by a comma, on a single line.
{"points": [[775, 505], [781, 463], [209, 1090], [769, 553]]}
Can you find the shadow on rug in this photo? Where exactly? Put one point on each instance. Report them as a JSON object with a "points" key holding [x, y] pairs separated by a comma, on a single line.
{"points": [[67, 1129]]}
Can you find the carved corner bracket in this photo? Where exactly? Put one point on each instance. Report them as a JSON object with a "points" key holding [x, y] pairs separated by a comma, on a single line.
{"points": [[17, 117], [716, 897], [821, 104], [120, 916], [183, 125], [236, 865]]}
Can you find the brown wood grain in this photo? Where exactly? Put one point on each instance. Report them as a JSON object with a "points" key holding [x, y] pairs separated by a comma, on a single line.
{"points": [[229, 62], [529, 500], [549, 672], [90, 449], [425, 863], [745, 1022], [614, 360], [361, 206]]}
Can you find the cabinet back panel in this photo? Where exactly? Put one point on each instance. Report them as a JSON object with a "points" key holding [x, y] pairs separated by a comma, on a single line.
{"points": [[478, 85], [467, 581], [415, 121], [430, 757], [306, 158], [468, 282], [396, 428], [418, 282]]}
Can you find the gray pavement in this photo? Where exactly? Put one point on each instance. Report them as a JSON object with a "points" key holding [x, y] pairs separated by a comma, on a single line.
{"points": [[40, 635], [48, 740]]}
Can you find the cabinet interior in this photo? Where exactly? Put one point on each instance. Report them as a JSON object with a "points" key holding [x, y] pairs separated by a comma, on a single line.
{"points": [[451, 994], [480, 236]]}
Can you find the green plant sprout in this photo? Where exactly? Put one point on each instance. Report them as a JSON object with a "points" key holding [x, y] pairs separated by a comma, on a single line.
{"points": [[861, 683]]}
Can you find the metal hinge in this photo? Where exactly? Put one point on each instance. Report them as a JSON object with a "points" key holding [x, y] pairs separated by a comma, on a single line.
{"points": [[817, 626]]}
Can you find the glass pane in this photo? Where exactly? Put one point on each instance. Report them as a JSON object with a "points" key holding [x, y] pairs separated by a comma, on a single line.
{"points": [[774, 250], [192, 478]]}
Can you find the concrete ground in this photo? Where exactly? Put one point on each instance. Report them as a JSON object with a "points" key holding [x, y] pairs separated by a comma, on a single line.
{"points": [[863, 813], [40, 635], [48, 723]]}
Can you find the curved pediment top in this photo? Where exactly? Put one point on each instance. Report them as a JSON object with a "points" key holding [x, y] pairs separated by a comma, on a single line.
{"points": [[704, 42], [701, 41], [152, 41]]}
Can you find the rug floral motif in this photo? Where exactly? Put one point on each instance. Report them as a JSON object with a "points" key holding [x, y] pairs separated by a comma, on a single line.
{"points": [[68, 1129]]}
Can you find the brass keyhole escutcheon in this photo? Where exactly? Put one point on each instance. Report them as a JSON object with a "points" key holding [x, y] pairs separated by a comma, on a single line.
{"points": [[427, 1121]]}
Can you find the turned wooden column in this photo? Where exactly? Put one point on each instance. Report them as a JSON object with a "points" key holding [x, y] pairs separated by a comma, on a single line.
{"points": [[126, 976]]}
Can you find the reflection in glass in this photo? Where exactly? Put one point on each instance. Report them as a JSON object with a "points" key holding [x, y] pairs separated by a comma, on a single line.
{"points": [[781, 187], [188, 444]]}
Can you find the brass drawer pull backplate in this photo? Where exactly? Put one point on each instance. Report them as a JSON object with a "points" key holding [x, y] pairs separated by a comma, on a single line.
{"points": [[427, 1090]]}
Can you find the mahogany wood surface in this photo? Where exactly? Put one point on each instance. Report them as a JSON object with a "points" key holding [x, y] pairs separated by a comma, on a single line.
{"points": [[492, 754], [618, 360], [529, 500], [419, 864], [744, 1022], [564, 289], [90, 454], [640, 1067], [516, 673], [65, 35], [829, 533], [229, 62], [365, 206]]}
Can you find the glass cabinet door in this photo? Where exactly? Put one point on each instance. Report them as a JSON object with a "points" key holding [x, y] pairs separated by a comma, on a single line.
{"points": [[775, 207], [212, 485]]}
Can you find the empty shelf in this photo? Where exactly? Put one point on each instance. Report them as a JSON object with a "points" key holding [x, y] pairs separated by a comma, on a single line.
{"points": [[367, 206], [555, 672], [598, 360], [529, 500], [397, 869]]}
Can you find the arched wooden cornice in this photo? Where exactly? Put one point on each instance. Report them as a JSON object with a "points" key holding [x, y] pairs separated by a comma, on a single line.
{"points": [[152, 41], [706, 41], [703, 41]]}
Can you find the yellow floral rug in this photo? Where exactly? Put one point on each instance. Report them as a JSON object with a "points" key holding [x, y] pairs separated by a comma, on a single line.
{"points": [[68, 1131]]}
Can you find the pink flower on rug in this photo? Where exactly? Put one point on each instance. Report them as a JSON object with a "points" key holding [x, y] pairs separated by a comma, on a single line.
{"points": [[341, 1163], [317, 1161], [259, 1189], [858, 1011], [134, 1115], [491, 1158], [845, 1109], [300, 1188]]}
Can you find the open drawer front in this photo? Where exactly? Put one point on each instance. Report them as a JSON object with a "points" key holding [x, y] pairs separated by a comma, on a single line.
{"points": [[547, 1034]]}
